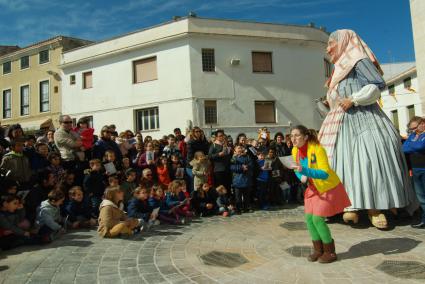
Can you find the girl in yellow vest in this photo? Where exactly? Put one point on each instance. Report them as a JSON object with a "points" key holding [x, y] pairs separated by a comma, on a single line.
{"points": [[325, 195]]}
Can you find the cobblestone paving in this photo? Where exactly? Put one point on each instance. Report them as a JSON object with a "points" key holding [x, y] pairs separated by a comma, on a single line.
{"points": [[262, 247]]}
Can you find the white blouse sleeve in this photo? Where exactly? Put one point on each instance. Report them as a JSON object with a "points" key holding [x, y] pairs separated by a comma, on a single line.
{"points": [[368, 95]]}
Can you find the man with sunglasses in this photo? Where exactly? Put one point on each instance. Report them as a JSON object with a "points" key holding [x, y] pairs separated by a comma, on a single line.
{"points": [[67, 142]]}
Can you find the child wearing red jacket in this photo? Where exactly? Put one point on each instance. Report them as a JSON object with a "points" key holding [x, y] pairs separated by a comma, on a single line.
{"points": [[85, 132]]}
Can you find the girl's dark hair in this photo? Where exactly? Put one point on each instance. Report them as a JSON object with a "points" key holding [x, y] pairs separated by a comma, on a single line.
{"points": [[279, 134], [239, 137], [310, 133], [12, 128]]}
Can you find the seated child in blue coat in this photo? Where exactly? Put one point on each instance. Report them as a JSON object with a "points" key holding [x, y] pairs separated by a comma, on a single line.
{"points": [[204, 201], [78, 210], [157, 200], [139, 208], [223, 202], [48, 215]]}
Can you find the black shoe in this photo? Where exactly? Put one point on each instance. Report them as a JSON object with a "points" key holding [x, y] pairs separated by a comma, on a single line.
{"points": [[420, 225]]}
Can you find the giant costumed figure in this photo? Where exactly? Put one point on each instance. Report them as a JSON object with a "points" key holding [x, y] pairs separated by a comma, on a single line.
{"points": [[362, 145]]}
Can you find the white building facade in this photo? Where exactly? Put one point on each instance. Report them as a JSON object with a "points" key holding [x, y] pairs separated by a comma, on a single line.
{"points": [[237, 76], [401, 99]]}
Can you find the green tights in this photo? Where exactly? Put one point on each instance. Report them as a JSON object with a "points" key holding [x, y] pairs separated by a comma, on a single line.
{"points": [[319, 230]]}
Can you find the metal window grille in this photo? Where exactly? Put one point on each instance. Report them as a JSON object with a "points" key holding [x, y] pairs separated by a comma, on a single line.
{"points": [[210, 112], [208, 60]]}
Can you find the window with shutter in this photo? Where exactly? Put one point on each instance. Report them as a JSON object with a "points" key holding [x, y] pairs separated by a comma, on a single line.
{"points": [[265, 112], [262, 62], [144, 70]]}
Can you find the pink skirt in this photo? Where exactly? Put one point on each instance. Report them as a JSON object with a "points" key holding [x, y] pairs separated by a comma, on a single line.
{"points": [[327, 204]]}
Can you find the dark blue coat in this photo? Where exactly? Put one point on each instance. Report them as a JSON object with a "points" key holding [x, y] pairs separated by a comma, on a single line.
{"points": [[77, 209], [241, 178], [139, 209]]}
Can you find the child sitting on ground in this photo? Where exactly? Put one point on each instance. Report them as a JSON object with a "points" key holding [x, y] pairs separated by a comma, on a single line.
{"points": [[13, 232], [204, 201], [139, 207], [223, 202], [112, 220], [157, 200], [184, 196], [48, 215], [175, 205], [78, 212]]}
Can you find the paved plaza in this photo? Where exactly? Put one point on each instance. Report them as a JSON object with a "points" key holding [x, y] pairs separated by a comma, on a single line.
{"points": [[262, 247]]}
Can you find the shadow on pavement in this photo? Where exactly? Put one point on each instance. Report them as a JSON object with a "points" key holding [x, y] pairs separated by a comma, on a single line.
{"points": [[4, 267], [386, 246]]}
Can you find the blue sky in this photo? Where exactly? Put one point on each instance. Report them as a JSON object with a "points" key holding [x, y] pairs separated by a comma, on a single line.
{"points": [[385, 25]]}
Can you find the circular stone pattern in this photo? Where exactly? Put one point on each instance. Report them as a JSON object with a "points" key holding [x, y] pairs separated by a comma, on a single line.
{"points": [[247, 248]]}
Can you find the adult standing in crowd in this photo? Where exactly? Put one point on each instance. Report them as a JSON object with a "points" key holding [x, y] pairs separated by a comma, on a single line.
{"points": [[280, 146], [14, 131], [220, 154], [106, 143], [414, 147], [197, 142], [67, 142], [180, 140], [362, 144]]}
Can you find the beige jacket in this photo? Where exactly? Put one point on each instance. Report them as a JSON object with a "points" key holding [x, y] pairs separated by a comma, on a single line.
{"points": [[109, 216]]}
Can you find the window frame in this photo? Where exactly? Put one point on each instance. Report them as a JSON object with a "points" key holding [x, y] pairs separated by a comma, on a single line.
{"points": [[215, 114], [409, 108], [21, 106], [20, 62], [407, 81], [141, 60], [10, 67], [84, 80], [391, 87], [271, 62], [395, 118], [39, 95], [4, 110], [274, 112], [143, 120], [204, 58], [72, 79], [328, 68], [39, 56]]}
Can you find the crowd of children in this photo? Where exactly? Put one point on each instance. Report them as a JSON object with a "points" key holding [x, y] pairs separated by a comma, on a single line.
{"points": [[123, 184]]}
